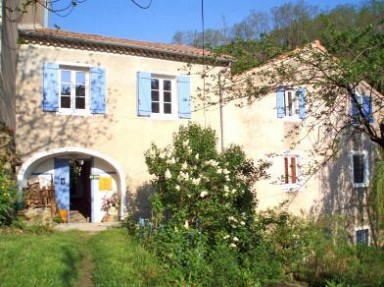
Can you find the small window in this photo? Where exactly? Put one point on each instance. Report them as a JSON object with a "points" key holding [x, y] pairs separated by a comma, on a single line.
{"points": [[362, 110], [292, 171], [162, 99], [359, 169], [291, 103], [73, 90], [362, 236]]}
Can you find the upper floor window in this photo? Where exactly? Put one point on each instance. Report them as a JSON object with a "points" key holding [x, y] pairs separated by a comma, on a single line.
{"points": [[360, 171], [290, 103], [74, 90], [163, 96], [292, 178], [361, 109]]}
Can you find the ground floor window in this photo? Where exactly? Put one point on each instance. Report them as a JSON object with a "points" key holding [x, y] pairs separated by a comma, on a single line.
{"points": [[362, 236]]}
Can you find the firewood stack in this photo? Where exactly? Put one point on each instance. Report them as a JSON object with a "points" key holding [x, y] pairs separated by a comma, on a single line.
{"points": [[36, 196]]}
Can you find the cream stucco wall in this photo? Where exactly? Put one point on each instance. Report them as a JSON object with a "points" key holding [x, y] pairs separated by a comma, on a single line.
{"points": [[328, 190], [119, 134]]}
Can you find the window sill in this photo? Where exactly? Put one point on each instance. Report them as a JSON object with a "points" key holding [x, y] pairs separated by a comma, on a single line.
{"points": [[291, 187], [291, 119], [171, 117], [360, 185], [74, 113]]}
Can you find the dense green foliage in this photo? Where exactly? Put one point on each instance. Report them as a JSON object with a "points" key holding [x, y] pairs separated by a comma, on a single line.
{"points": [[8, 195], [205, 230]]}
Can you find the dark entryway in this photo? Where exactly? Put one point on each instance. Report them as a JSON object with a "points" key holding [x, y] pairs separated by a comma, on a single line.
{"points": [[80, 190]]}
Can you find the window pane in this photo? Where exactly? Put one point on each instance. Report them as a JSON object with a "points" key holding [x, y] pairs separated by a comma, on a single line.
{"points": [[65, 102], [80, 103], [286, 171], [167, 108], [65, 76], [167, 85], [293, 170], [290, 103], [155, 96], [358, 168], [154, 84], [362, 236], [155, 108], [167, 97], [80, 78], [80, 91], [65, 89]]}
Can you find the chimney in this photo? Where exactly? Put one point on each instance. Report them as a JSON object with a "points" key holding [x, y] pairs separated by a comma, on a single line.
{"points": [[35, 14]]}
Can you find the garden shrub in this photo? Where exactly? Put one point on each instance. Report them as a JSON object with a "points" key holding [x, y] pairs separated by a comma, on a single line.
{"points": [[204, 210], [8, 194]]}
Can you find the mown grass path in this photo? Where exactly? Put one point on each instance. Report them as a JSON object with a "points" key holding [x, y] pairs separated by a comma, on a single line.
{"points": [[73, 258]]}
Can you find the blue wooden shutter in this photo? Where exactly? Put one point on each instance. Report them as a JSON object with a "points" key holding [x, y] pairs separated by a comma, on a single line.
{"points": [[367, 108], [144, 99], [280, 103], [184, 96], [97, 94], [302, 101], [354, 110], [50, 101], [61, 181]]}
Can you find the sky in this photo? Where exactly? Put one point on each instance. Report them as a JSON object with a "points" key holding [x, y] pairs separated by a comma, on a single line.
{"points": [[158, 23]]}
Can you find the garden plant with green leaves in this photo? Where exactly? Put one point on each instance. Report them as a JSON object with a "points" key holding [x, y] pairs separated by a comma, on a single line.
{"points": [[8, 194]]}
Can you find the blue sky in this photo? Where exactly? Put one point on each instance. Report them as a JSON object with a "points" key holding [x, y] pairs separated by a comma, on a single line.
{"points": [[122, 18]]}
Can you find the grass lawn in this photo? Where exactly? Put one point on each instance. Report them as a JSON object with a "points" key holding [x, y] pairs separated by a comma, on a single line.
{"points": [[111, 257], [52, 259]]}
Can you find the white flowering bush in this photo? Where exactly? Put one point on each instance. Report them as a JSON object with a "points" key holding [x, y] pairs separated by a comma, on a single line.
{"points": [[204, 207]]}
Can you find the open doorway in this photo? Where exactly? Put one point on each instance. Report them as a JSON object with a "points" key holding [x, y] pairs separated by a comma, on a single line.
{"points": [[80, 190]]}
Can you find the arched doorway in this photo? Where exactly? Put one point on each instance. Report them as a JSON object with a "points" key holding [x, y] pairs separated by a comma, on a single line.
{"points": [[83, 180]]}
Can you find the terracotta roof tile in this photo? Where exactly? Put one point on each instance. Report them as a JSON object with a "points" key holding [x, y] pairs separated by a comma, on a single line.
{"points": [[119, 45]]}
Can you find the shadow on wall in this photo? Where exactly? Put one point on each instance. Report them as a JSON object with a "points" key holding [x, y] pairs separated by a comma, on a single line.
{"points": [[38, 130], [339, 197], [139, 204]]}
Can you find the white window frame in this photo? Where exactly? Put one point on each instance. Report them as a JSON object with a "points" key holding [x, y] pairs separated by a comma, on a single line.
{"points": [[299, 175], [362, 228], [294, 102], [73, 69], [365, 183], [174, 96]]}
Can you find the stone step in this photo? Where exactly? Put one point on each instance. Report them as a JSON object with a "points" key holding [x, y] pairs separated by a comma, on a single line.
{"points": [[76, 217]]}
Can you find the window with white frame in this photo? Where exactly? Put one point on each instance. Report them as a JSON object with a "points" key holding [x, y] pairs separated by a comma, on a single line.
{"points": [[291, 103], [74, 89], [162, 95], [360, 171], [292, 177], [362, 236]]}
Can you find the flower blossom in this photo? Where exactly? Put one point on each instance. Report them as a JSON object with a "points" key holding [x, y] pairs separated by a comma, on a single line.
{"points": [[197, 156], [232, 245], [168, 174], [242, 223], [235, 239], [196, 181], [203, 194], [226, 237], [184, 165], [177, 187]]}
